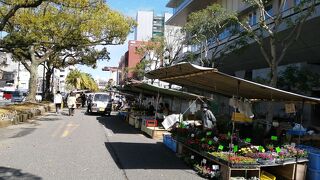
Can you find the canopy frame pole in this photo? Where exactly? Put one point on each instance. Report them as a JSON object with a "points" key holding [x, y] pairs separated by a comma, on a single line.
{"points": [[301, 119], [233, 123], [180, 109], [299, 139], [155, 116]]}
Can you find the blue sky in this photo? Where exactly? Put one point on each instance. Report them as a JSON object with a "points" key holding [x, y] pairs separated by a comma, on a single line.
{"points": [[129, 8]]}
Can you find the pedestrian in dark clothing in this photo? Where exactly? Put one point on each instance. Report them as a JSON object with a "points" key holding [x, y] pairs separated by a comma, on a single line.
{"points": [[89, 101], [83, 99]]}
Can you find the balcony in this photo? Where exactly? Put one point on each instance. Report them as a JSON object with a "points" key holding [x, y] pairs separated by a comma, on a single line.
{"points": [[182, 8]]}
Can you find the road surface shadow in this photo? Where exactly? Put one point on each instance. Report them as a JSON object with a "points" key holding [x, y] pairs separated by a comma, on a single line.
{"points": [[23, 132], [116, 125], [143, 156], [11, 173]]}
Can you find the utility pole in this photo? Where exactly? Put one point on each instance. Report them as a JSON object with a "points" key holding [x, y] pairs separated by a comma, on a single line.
{"points": [[43, 79], [18, 77]]}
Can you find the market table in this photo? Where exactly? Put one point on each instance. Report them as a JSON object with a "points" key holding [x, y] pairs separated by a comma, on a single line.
{"points": [[288, 170], [153, 132], [226, 171]]}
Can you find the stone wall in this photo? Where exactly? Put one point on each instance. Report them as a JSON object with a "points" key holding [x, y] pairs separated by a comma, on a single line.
{"points": [[15, 114]]}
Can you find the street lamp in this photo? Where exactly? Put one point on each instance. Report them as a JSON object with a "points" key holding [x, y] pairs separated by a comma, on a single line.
{"points": [[112, 69]]}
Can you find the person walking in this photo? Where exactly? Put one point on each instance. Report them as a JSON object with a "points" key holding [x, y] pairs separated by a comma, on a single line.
{"points": [[71, 103], [208, 119], [58, 101], [83, 99]]}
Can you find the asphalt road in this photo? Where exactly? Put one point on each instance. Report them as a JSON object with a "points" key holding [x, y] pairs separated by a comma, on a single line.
{"points": [[85, 147]]}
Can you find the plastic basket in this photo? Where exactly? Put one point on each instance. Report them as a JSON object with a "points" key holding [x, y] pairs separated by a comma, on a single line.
{"points": [[151, 123], [313, 156], [167, 140], [173, 146], [296, 132], [313, 174], [267, 176]]}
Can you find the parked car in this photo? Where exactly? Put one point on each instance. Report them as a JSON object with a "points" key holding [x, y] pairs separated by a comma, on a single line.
{"points": [[100, 103], [18, 96]]}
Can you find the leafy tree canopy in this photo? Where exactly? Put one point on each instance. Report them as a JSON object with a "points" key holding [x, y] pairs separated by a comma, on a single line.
{"points": [[54, 29], [81, 80], [8, 8]]}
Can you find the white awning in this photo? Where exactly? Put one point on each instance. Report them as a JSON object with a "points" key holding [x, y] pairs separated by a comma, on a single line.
{"points": [[140, 87], [210, 79]]}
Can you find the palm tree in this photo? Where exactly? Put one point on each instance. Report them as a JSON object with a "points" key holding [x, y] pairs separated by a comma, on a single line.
{"points": [[73, 78], [80, 80]]}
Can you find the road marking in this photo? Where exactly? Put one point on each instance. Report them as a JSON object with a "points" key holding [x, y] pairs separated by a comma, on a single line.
{"points": [[69, 129], [55, 133], [65, 133]]}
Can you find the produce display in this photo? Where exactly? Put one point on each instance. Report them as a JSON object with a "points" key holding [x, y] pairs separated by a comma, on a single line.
{"points": [[234, 160], [241, 153]]}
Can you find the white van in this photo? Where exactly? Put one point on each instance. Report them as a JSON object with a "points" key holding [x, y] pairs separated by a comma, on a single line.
{"points": [[100, 103]]}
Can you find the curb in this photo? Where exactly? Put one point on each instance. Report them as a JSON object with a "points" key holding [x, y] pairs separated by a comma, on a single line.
{"points": [[24, 116]]}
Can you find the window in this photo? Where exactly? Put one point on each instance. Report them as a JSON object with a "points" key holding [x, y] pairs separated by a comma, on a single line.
{"points": [[297, 2], [286, 5], [269, 10], [252, 18], [101, 97], [226, 33]]}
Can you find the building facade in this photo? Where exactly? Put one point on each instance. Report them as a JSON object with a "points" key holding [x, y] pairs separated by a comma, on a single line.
{"points": [[250, 63], [304, 50], [150, 25], [14, 76]]}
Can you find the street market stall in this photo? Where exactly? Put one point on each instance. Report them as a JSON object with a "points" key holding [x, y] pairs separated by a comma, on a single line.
{"points": [[151, 124], [235, 156]]}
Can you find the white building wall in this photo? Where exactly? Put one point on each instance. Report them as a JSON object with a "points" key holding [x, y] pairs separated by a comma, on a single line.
{"points": [[22, 76], [61, 75], [143, 31], [167, 16]]}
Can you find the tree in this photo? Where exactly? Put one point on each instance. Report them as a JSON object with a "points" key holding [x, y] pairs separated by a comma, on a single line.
{"points": [[152, 52], [84, 56], [299, 80], [174, 42], [8, 8], [109, 85], [80, 80], [274, 45], [208, 27], [36, 34]]}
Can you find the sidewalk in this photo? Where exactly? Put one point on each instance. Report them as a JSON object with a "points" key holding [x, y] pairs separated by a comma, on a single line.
{"points": [[141, 157]]}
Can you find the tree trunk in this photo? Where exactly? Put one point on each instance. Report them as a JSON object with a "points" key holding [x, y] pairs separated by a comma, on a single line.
{"points": [[47, 92], [274, 75], [273, 83], [32, 83]]}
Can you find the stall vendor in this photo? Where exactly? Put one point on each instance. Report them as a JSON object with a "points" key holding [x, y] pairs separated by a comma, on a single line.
{"points": [[166, 110], [150, 110], [208, 119]]}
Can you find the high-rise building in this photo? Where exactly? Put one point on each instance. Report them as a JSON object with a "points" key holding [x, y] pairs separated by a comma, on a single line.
{"points": [[150, 25]]}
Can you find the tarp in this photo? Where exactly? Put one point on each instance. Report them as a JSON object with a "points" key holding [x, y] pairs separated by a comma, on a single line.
{"points": [[210, 79], [140, 87]]}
